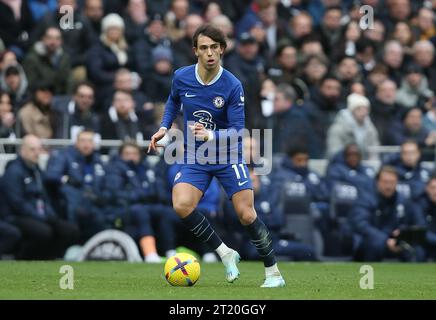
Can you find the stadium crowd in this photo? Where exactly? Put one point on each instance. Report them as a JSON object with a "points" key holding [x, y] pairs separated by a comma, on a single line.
{"points": [[327, 85]]}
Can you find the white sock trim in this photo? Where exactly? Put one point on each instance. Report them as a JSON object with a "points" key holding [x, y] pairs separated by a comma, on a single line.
{"points": [[222, 250], [272, 271]]}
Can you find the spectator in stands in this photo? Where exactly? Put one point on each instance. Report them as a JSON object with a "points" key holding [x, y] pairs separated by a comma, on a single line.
{"points": [[77, 173], [182, 48], [13, 80], [247, 65], [330, 28], [7, 57], [301, 25], [358, 87], [411, 173], [284, 67], [121, 121], [45, 233], [158, 83], [289, 123], [311, 45], [425, 28], [7, 117], [403, 33], [315, 68], [376, 34], [223, 23], [393, 57], [37, 116], [269, 30], [347, 45], [427, 204], [353, 125], [128, 81], [377, 75], [154, 36], [136, 19], [365, 55], [133, 193], [322, 108], [93, 14], [211, 10], [108, 55], [175, 18], [76, 112], [385, 112], [376, 224], [295, 168], [414, 90], [346, 168], [267, 94], [412, 128], [423, 55], [47, 60], [76, 40], [398, 10], [347, 71], [16, 23]]}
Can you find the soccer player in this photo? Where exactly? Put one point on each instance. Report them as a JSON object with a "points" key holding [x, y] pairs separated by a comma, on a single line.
{"points": [[213, 100]]}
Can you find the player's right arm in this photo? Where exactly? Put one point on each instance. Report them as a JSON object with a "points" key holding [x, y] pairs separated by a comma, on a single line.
{"points": [[172, 108]]}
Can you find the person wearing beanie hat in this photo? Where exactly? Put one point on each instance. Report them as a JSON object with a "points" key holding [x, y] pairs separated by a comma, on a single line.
{"points": [[353, 125], [107, 56], [112, 20], [355, 101], [112, 28]]}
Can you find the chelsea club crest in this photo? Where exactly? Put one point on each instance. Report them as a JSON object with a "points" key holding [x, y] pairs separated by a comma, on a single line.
{"points": [[218, 102]]}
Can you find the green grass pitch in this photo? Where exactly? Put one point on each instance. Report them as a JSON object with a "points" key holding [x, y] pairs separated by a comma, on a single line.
{"points": [[119, 280]]}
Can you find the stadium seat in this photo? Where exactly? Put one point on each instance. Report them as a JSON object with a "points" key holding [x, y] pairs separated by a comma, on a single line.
{"points": [[302, 228]]}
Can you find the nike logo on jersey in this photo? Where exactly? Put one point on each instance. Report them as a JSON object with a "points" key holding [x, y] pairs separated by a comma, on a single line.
{"points": [[189, 95], [242, 183]]}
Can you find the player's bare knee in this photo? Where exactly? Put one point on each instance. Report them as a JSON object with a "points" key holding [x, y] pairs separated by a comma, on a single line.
{"points": [[183, 207], [247, 215]]}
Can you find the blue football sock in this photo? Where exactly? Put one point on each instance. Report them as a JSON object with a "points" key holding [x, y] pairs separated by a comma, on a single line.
{"points": [[201, 229], [261, 239]]}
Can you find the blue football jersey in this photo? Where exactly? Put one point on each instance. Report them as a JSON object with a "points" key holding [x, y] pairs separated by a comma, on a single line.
{"points": [[218, 105]]}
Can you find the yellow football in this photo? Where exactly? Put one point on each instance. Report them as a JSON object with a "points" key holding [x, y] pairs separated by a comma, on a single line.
{"points": [[182, 270]]}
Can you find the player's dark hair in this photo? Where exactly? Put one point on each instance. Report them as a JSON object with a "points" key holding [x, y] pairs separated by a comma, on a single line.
{"points": [[212, 32], [386, 169]]}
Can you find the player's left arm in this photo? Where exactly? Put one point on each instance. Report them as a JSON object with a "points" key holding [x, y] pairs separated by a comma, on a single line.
{"points": [[172, 108]]}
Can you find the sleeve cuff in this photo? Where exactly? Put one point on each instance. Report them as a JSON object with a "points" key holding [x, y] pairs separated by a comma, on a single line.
{"points": [[163, 128], [211, 135]]}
